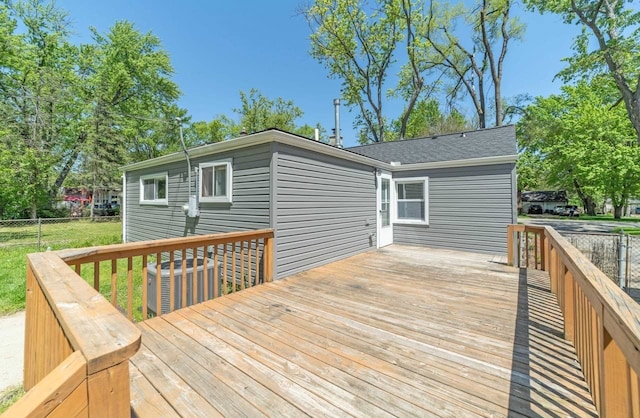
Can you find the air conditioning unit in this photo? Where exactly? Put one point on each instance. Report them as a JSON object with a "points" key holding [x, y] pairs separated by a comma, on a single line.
{"points": [[178, 266]]}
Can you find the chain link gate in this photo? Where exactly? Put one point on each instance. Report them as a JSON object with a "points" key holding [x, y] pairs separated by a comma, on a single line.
{"points": [[616, 255]]}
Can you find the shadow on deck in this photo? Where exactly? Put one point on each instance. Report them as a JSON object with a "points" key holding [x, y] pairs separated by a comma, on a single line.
{"points": [[401, 331]]}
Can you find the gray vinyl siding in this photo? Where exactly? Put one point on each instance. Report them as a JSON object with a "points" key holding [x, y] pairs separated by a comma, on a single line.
{"points": [[249, 210], [325, 209], [469, 209]]}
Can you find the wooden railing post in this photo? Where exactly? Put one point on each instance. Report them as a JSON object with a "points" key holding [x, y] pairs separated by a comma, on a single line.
{"points": [[569, 307], [46, 345], [553, 270], [544, 244], [510, 231], [547, 251], [268, 260]]}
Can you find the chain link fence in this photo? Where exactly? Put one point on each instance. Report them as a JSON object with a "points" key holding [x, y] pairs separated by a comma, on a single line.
{"points": [[616, 255], [57, 233]]}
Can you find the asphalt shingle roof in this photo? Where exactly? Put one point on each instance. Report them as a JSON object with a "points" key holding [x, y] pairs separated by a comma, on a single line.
{"points": [[544, 196], [491, 142]]}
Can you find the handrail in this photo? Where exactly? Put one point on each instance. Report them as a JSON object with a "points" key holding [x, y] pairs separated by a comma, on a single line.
{"points": [[600, 319], [107, 252], [75, 340], [78, 345], [230, 261]]}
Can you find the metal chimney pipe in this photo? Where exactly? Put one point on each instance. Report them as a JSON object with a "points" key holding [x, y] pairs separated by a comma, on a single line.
{"points": [[336, 104]]}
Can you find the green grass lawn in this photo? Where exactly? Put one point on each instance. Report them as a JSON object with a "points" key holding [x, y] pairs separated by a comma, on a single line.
{"points": [[606, 218], [75, 234], [10, 396], [630, 230]]}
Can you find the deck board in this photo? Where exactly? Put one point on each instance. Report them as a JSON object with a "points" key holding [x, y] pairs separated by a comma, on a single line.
{"points": [[402, 331]]}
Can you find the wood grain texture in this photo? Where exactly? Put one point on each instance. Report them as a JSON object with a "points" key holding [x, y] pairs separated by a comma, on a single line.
{"points": [[109, 394], [62, 392], [401, 331], [92, 325], [46, 345]]}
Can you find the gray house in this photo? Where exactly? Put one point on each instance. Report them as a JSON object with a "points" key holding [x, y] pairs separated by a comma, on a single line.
{"points": [[453, 191]]}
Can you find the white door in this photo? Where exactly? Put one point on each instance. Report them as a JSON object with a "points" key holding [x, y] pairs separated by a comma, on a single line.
{"points": [[385, 228]]}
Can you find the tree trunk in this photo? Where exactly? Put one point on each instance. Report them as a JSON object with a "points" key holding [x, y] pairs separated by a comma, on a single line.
{"points": [[617, 211], [587, 201], [68, 165]]}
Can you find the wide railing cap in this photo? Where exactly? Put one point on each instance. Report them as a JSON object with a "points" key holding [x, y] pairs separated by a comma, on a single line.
{"points": [[92, 325]]}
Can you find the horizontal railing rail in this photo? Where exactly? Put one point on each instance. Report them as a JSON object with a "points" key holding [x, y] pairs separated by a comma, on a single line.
{"points": [[77, 346], [599, 318], [160, 276]]}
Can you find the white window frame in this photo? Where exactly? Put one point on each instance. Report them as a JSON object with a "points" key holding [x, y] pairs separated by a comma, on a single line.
{"points": [[156, 176], [228, 198], [394, 200]]}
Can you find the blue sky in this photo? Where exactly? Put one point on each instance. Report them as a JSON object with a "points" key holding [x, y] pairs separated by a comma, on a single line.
{"points": [[220, 48]]}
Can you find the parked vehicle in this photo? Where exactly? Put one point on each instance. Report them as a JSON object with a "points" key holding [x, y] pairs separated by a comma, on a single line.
{"points": [[535, 210], [567, 210], [103, 209]]}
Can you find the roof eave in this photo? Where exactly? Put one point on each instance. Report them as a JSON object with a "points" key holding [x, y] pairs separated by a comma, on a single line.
{"points": [[257, 139], [298, 142]]}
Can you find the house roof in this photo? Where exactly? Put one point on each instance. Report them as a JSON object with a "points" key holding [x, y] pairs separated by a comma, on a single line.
{"points": [[544, 196], [491, 142], [502, 154]]}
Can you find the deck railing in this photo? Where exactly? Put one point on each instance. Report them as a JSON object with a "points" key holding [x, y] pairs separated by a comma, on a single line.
{"points": [[224, 263], [600, 319], [77, 346]]}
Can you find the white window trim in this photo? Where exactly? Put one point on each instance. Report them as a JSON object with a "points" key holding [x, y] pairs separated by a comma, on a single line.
{"points": [[159, 202], [394, 200], [217, 199]]}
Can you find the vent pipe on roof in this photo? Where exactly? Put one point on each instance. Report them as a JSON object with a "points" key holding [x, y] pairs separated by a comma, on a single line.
{"points": [[336, 104]]}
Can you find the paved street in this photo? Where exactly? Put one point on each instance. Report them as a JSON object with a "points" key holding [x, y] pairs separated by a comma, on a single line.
{"points": [[572, 225]]}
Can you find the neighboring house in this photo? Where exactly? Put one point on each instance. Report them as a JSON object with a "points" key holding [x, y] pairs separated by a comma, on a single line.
{"points": [[325, 203], [548, 199]]}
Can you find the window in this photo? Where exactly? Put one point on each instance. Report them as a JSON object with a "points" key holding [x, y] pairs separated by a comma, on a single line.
{"points": [[412, 204], [153, 189], [216, 182]]}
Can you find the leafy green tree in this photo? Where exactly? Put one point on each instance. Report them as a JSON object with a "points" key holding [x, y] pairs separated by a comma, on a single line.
{"points": [[258, 112], [218, 129], [36, 81], [309, 131], [356, 41], [585, 143], [129, 93], [88, 108], [427, 119], [531, 171], [475, 64], [608, 43]]}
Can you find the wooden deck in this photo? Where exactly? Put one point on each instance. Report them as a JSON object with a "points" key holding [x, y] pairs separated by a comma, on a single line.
{"points": [[402, 331]]}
